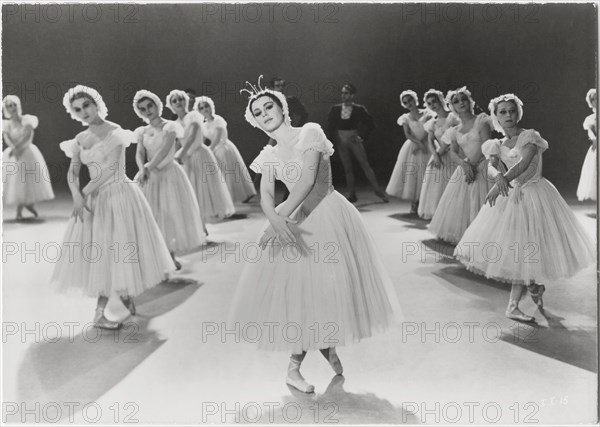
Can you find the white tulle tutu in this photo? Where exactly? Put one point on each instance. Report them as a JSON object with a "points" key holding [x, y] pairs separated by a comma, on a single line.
{"points": [[588, 182], [118, 246], [26, 180], [328, 289], [234, 170], [434, 184], [175, 207], [336, 293], [460, 204], [209, 185], [408, 174], [531, 235]]}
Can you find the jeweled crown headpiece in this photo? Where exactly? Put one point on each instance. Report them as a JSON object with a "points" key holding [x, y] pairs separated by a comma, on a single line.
{"points": [[439, 95], [14, 99], [141, 94], [89, 93], [507, 97], [256, 92], [452, 93], [410, 93]]}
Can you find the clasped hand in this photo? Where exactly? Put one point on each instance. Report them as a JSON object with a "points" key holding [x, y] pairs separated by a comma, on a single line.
{"points": [[278, 230], [79, 205]]}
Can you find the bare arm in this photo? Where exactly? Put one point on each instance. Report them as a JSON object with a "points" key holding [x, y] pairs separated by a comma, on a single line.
{"points": [[168, 141], [304, 185], [189, 138], [105, 174]]}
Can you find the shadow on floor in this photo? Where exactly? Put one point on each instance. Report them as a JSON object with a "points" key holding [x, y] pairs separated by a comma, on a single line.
{"points": [[84, 367], [335, 406]]}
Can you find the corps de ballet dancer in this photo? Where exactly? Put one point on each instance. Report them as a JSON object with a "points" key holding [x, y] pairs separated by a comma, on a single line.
{"points": [[407, 177], [440, 166], [200, 163], [469, 184], [345, 286], [163, 181], [349, 125], [25, 176], [588, 182], [536, 237], [117, 246], [231, 162]]}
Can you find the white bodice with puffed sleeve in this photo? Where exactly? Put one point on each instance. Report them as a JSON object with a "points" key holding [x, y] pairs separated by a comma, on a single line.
{"points": [[188, 120], [210, 130], [277, 165], [16, 130], [470, 142], [417, 127], [153, 140]]}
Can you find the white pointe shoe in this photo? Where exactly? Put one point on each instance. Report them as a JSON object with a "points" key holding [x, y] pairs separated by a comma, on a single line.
{"points": [[334, 361], [513, 313], [295, 378]]}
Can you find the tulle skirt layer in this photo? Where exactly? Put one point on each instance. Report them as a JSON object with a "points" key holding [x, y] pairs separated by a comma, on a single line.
{"points": [[118, 246], [434, 184], [26, 180], [588, 182], [531, 235], [407, 178], [233, 168], [327, 290]]}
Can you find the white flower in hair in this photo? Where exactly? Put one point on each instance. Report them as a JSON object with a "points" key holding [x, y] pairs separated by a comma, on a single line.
{"points": [[439, 95], [588, 98], [208, 100], [410, 93], [452, 93], [14, 99], [89, 93], [256, 92], [180, 94], [141, 94], [504, 98]]}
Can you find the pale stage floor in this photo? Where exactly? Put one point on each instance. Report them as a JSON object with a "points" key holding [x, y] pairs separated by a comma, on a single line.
{"points": [[455, 359]]}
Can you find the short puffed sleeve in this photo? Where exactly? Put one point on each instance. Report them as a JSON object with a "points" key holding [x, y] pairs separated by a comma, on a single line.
{"points": [[483, 120], [175, 128], [138, 135], [589, 122], [491, 147], [452, 120], [123, 137], [429, 126], [193, 117], [71, 146], [449, 136], [30, 120], [531, 136], [5, 125], [265, 160], [312, 137], [403, 120], [220, 122]]}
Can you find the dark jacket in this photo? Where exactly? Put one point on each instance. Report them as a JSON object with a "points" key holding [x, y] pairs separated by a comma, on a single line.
{"points": [[360, 119]]}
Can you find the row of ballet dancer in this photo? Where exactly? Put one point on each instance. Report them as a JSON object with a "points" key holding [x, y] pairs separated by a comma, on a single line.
{"points": [[162, 217]]}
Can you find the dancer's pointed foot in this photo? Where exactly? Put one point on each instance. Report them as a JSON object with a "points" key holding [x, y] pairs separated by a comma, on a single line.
{"points": [[129, 304], [295, 379], [382, 196], [333, 359], [31, 209], [513, 313], [102, 322], [537, 291]]}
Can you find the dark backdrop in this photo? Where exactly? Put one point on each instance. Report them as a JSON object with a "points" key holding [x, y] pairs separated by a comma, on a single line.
{"points": [[544, 53]]}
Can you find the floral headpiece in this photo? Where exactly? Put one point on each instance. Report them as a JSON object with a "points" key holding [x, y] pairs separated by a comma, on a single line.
{"points": [[14, 99], [141, 94], [89, 93], [180, 94], [452, 93], [410, 93], [504, 98]]}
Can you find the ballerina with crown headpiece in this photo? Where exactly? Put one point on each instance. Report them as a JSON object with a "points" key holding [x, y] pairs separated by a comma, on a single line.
{"points": [[588, 182], [234, 170], [110, 216], [163, 181], [532, 232], [344, 291], [24, 171]]}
